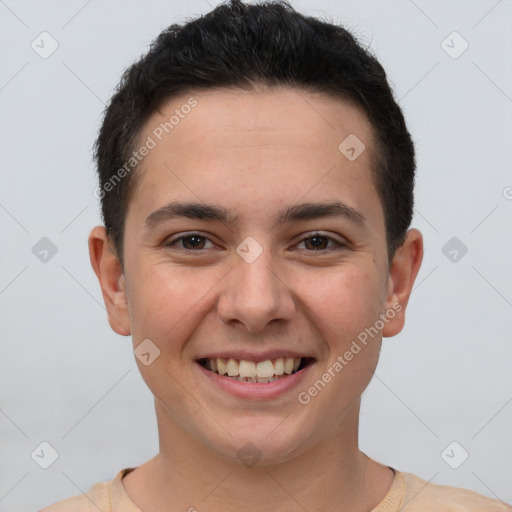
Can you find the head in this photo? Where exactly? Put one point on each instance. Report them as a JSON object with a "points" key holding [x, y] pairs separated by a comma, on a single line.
{"points": [[243, 46], [256, 114]]}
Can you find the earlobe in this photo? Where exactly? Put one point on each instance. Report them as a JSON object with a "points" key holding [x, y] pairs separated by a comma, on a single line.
{"points": [[402, 275], [109, 272]]}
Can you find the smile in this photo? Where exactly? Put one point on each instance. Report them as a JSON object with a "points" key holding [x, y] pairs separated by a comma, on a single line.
{"points": [[262, 372]]}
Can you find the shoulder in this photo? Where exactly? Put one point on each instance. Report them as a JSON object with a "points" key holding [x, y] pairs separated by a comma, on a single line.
{"points": [[97, 498], [421, 495], [79, 503]]}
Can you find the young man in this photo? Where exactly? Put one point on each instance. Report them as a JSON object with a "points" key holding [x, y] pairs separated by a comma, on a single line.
{"points": [[256, 179]]}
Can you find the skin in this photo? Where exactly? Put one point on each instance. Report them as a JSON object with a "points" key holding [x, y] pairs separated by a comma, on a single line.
{"points": [[256, 152]]}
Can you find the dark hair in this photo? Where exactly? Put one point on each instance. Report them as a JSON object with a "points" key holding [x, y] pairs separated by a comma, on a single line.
{"points": [[238, 45]]}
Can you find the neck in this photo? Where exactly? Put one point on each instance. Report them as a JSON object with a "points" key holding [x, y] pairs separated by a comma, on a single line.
{"points": [[332, 475]]}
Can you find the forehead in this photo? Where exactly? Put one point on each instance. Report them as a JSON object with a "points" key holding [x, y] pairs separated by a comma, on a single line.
{"points": [[263, 145], [285, 115]]}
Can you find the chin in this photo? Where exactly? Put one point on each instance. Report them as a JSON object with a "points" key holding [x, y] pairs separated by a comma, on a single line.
{"points": [[265, 443]]}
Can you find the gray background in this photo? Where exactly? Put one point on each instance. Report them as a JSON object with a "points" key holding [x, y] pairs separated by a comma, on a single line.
{"points": [[69, 380]]}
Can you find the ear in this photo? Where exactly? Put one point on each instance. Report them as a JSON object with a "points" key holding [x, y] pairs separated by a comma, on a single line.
{"points": [[109, 272], [402, 274]]}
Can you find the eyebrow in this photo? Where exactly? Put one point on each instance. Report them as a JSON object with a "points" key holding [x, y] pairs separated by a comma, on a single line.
{"points": [[211, 212]]}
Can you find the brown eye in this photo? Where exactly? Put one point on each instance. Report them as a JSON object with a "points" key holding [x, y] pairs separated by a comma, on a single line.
{"points": [[319, 242], [316, 242], [191, 242]]}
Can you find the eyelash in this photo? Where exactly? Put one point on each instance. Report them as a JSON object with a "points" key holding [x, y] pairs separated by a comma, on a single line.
{"points": [[173, 242]]}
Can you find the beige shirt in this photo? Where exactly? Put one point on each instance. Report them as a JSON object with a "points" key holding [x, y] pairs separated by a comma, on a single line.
{"points": [[408, 493]]}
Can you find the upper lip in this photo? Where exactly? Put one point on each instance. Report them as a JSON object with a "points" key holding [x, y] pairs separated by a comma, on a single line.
{"points": [[249, 355]]}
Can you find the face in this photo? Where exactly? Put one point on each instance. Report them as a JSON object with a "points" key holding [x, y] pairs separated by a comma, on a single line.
{"points": [[283, 256]]}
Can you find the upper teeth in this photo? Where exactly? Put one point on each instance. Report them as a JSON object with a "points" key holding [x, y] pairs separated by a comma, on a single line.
{"points": [[261, 369]]}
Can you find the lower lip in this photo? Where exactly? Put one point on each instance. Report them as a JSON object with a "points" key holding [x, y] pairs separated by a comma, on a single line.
{"points": [[256, 389]]}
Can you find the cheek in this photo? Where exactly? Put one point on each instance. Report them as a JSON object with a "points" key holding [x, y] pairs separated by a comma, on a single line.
{"points": [[165, 306], [345, 303], [168, 301], [351, 314]]}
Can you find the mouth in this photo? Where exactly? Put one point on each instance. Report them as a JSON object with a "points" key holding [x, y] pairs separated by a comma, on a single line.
{"points": [[262, 372]]}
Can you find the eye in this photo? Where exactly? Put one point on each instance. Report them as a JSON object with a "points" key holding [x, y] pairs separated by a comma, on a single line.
{"points": [[194, 241], [317, 242]]}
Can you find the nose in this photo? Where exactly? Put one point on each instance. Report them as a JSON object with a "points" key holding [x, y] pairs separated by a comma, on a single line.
{"points": [[256, 294]]}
